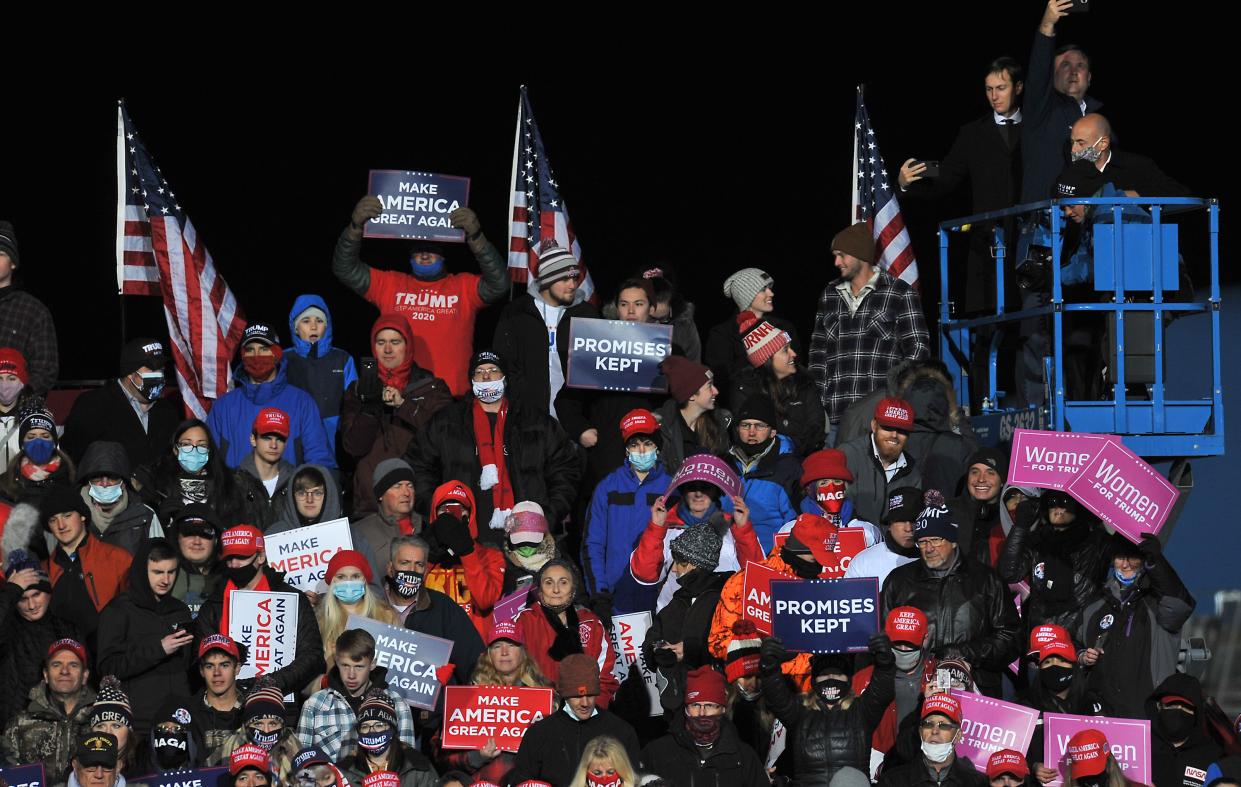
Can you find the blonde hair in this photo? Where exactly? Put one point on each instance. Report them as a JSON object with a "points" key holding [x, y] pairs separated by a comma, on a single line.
{"points": [[528, 675], [605, 747], [1115, 776], [333, 618]]}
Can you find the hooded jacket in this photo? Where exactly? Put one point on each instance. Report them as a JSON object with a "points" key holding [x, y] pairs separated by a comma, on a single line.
{"points": [[1185, 764], [131, 522], [130, 632], [232, 418], [287, 517], [373, 432], [938, 451], [682, 762], [771, 486], [25, 649], [542, 464], [318, 368], [620, 509], [475, 581]]}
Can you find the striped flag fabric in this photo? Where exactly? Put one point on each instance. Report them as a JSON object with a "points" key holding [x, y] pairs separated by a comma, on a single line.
{"points": [[159, 253], [536, 209], [875, 203]]}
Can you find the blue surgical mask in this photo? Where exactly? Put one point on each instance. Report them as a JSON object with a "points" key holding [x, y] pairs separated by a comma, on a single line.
{"points": [[1124, 583], [427, 271], [40, 449], [349, 591], [106, 495], [193, 457], [643, 461]]}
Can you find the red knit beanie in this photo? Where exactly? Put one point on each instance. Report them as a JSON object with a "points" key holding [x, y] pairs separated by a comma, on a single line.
{"points": [[348, 557], [705, 685]]}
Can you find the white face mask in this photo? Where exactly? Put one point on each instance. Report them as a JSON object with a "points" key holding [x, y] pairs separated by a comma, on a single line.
{"points": [[488, 392], [936, 752]]}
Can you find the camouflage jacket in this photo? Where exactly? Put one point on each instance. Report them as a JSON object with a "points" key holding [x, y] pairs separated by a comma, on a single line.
{"points": [[43, 733]]}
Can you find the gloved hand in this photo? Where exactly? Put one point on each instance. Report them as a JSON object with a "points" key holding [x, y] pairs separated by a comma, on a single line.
{"points": [[601, 605], [880, 647], [665, 657], [1150, 546], [466, 220], [1026, 514], [452, 534], [771, 654], [367, 208]]}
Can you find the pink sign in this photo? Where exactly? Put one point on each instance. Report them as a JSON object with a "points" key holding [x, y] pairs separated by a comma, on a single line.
{"points": [[1129, 741], [508, 607], [1124, 491], [1051, 460], [988, 725]]}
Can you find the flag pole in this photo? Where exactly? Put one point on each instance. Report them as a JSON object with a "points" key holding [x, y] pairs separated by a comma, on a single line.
{"points": [[120, 209], [853, 183], [512, 192]]}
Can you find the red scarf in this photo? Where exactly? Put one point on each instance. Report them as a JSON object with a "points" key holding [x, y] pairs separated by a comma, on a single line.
{"points": [[229, 587], [32, 472], [406, 525], [488, 442]]}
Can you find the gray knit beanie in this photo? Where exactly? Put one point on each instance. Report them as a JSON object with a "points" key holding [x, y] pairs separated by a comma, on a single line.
{"points": [[746, 283]]}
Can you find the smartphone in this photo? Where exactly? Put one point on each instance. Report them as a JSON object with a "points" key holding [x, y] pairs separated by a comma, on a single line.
{"points": [[932, 169], [368, 379], [943, 680], [1079, 7]]}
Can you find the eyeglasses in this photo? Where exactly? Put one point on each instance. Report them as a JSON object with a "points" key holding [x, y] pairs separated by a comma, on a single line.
{"points": [[371, 727], [752, 426], [482, 374], [310, 494], [930, 542], [941, 726], [201, 450]]}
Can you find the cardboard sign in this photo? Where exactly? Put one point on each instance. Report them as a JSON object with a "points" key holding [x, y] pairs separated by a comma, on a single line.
{"points": [[475, 714], [508, 607], [27, 775], [200, 777], [411, 658], [416, 205], [1050, 460], [988, 725], [303, 553], [1128, 739], [825, 615], [628, 634], [266, 623], [756, 595], [614, 355], [779, 740], [1124, 491], [709, 469]]}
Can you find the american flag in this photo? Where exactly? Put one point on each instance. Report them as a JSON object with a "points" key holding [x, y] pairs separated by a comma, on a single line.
{"points": [[159, 253], [875, 204], [538, 212]]}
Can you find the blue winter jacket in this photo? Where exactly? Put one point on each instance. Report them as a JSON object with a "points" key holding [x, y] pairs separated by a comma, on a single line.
{"points": [[232, 417], [771, 488], [620, 510], [318, 368]]}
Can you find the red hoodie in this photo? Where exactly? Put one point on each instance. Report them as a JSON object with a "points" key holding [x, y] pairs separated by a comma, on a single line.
{"points": [[477, 581]]}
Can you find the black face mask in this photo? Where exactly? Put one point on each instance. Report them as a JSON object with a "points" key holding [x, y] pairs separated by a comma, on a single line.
{"points": [[1056, 678], [800, 567], [831, 691], [241, 576], [1174, 725], [171, 750], [406, 584], [264, 740], [1093, 781]]}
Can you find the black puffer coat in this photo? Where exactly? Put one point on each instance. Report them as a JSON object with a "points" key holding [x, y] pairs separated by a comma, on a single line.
{"points": [[729, 762], [824, 740], [25, 648], [130, 630], [686, 619], [798, 408], [541, 462], [969, 609], [1048, 557], [940, 452], [1172, 764]]}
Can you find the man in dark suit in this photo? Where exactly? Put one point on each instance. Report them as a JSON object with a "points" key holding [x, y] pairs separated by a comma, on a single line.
{"points": [[1136, 175]]}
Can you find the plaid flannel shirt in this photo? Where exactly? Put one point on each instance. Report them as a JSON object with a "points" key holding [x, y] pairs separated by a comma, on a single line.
{"points": [[26, 326], [328, 723], [850, 354]]}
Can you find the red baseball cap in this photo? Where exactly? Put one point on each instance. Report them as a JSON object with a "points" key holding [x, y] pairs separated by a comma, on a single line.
{"points": [[944, 704], [1007, 761], [220, 642], [906, 624], [1047, 632], [249, 756], [241, 541], [1088, 751], [71, 645], [505, 629], [1056, 647], [895, 413], [1168, 699], [816, 534], [271, 420], [382, 779], [638, 422]]}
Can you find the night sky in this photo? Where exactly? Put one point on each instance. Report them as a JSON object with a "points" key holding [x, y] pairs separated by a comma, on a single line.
{"points": [[723, 145]]}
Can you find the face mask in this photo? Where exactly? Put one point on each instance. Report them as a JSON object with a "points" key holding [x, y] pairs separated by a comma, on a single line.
{"points": [[526, 550], [241, 576], [703, 729], [488, 392], [39, 449], [800, 567], [406, 584], [831, 690], [106, 495], [171, 749], [1124, 583], [936, 752], [831, 497], [1056, 678], [349, 591], [1174, 724], [1090, 154], [258, 367], [427, 271], [264, 740], [191, 460], [152, 386], [9, 390], [907, 660], [377, 742], [1093, 781], [642, 461], [608, 780]]}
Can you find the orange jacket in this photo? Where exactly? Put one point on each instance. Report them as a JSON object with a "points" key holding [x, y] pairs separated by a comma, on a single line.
{"points": [[477, 582], [104, 569], [728, 611]]}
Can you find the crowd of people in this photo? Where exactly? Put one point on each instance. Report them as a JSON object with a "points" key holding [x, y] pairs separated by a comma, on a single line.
{"points": [[470, 474]]}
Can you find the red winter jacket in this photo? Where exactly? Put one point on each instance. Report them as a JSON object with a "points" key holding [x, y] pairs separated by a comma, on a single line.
{"points": [[596, 643], [647, 561], [477, 581]]}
